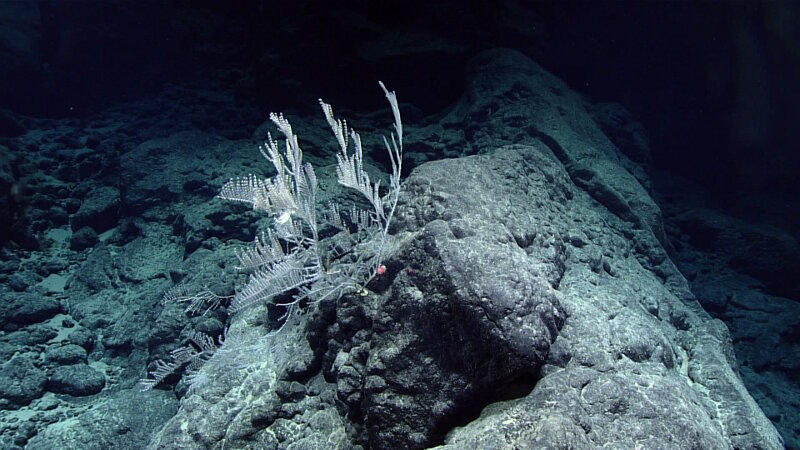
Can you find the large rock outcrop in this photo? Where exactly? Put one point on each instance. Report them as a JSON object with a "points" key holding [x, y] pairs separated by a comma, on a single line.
{"points": [[529, 302]]}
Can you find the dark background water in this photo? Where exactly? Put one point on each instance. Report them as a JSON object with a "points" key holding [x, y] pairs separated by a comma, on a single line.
{"points": [[714, 83]]}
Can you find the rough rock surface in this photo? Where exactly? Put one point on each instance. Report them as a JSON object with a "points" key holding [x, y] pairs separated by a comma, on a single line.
{"points": [[529, 302]]}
